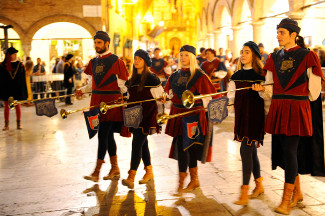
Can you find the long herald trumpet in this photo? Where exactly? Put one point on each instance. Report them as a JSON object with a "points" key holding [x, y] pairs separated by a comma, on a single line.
{"points": [[103, 107], [64, 113], [12, 102], [163, 118], [188, 97]]}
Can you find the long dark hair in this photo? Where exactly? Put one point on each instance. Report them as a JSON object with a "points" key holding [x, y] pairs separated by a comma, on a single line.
{"points": [[299, 40], [145, 72]]}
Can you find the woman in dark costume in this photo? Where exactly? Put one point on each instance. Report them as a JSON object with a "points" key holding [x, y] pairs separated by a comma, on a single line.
{"points": [[249, 117], [13, 84], [143, 85], [188, 77]]}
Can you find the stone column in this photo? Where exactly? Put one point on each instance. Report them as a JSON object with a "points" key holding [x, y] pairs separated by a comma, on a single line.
{"points": [[298, 16], [217, 34], [236, 42], [258, 31], [210, 40], [26, 46]]}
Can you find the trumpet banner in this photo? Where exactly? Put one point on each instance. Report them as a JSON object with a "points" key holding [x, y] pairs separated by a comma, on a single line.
{"points": [[217, 109], [46, 107], [133, 116], [92, 122], [192, 133]]}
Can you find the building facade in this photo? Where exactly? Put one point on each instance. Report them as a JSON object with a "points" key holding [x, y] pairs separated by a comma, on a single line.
{"points": [[230, 23]]}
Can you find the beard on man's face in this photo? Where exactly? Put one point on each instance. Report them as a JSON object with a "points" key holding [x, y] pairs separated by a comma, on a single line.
{"points": [[101, 50]]}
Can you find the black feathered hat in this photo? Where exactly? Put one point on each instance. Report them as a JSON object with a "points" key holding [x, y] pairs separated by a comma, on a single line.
{"points": [[103, 36], [289, 24], [253, 46], [68, 57], [144, 55], [188, 48], [11, 50]]}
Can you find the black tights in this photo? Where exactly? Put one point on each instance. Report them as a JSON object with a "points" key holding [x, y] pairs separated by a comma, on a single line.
{"points": [[106, 140], [250, 162], [186, 158], [140, 149], [290, 149]]}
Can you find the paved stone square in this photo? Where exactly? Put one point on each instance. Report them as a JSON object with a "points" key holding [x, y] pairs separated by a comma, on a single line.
{"points": [[41, 169]]}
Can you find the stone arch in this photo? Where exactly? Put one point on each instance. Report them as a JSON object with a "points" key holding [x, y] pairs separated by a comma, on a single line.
{"points": [[204, 21], [209, 18], [20, 31], [218, 9], [59, 18], [238, 11], [175, 44], [258, 10]]}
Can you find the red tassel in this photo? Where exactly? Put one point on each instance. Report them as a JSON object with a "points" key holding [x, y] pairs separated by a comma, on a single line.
{"points": [[8, 62]]}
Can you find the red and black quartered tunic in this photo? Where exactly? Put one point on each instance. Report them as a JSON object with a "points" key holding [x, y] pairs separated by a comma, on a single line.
{"points": [[149, 109], [290, 112], [249, 108], [105, 70], [212, 66], [158, 66], [178, 83]]}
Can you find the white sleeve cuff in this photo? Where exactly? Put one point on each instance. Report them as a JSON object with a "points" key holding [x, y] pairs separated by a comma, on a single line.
{"points": [[206, 101], [121, 85], [220, 74], [157, 92], [88, 87], [267, 94], [314, 85], [231, 95]]}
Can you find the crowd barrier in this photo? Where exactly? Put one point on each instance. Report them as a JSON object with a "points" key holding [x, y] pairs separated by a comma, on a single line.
{"points": [[47, 85]]}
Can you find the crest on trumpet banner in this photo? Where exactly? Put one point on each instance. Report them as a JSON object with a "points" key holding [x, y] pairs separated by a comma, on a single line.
{"points": [[217, 109], [192, 131], [92, 121], [133, 116], [46, 107]]}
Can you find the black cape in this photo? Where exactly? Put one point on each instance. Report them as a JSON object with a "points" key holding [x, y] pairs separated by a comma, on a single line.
{"points": [[310, 149], [13, 84]]}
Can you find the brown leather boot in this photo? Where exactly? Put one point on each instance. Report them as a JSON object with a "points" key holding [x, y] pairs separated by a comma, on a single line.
{"points": [[148, 176], [19, 125], [297, 194], [243, 198], [6, 127], [95, 175], [259, 189], [182, 176], [194, 183], [129, 182], [284, 207], [114, 173]]}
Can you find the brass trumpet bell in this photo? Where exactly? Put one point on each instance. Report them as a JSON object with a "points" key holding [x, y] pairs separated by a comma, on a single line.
{"points": [[188, 99], [103, 107], [11, 103], [162, 118], [64, 114]]}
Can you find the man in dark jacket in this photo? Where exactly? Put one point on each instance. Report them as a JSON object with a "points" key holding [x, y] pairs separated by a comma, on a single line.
{"points": [[69, 71]]}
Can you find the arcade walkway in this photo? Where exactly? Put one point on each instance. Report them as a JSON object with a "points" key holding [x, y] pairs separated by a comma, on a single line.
{"points": [[41, 169]]}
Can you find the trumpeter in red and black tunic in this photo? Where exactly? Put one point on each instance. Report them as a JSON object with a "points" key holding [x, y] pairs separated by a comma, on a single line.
{"points": [[249, 107], [149, 109]]}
